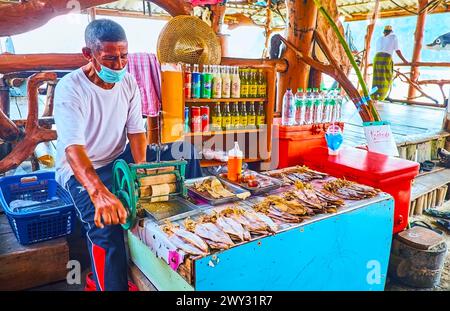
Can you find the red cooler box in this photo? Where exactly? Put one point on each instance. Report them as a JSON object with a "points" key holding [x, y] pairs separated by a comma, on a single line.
{"points": [[391, 175], [294, 141]]}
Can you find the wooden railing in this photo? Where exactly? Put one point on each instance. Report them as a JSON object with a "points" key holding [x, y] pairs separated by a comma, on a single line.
{"points": [[403, 76]]}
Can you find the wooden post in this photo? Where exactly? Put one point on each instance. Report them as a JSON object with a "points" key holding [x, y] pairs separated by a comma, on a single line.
{"points": [[302, 17], [4, 97], [218, 14], [268, 28], [368, 38], [418, 37], [92, 14]]}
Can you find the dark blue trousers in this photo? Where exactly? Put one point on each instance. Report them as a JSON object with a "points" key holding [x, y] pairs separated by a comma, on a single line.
{"points": [[106, 246]]}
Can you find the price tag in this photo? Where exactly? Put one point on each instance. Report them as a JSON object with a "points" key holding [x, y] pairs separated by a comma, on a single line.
{"points": [[379, 138]]}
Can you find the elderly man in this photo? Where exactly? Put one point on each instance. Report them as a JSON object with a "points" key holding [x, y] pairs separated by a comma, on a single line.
{"points": [[97, 108], [383, 66]]}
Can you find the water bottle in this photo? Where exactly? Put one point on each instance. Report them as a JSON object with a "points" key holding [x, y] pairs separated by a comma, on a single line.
{"points": [[299, 107], [288, 109], [317, 106], [308, 101]]}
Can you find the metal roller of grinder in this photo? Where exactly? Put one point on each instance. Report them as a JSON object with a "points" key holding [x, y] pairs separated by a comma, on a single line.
{"points": [[127, 183]]}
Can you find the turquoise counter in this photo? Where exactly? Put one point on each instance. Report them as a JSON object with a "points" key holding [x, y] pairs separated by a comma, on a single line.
{"points": [[348, 250]]}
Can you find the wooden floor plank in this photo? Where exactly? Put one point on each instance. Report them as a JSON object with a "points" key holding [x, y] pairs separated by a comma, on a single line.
{"points": [[408, 123], [426, 183]]}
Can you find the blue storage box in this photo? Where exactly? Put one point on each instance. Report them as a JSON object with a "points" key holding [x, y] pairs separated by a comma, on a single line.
{"points": [[52, 215]]}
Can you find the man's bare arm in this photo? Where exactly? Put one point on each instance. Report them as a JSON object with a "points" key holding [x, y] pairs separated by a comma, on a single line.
{"points": [[138, 145], [399, 53], [107, 207]]}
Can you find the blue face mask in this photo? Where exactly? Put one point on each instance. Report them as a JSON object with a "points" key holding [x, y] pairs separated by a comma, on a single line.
{"points": [[109, 75]]}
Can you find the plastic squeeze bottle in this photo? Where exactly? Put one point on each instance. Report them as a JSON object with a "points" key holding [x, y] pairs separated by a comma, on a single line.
{"points": [[235, 156]]}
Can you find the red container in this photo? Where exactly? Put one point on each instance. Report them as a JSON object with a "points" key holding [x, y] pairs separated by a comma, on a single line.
{"points": [[196, 119], [391, 175], [187, 84], [204, 112], [294, 141]]}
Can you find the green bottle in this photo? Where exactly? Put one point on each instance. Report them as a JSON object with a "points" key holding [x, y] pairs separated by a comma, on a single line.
{"points": [[235, 115], [226, 116], [253, 87], [244, 83], [260, 115], [262, 84], [243, 119], [216, 118], [251, 115]]}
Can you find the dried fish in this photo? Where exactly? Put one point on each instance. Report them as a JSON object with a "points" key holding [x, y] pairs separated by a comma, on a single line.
{"points": [[213, 187], [189, 241], [186, 247], [210, 232], [232, 227], [291, 175], [349, 190]]}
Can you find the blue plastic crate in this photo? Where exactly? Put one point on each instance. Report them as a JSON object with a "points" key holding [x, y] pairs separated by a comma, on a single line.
{"points": [[44, 221]]}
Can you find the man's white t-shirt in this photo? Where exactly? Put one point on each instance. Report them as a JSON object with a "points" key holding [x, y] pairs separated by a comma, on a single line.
{"points": [[86, 114], [387, 44]]}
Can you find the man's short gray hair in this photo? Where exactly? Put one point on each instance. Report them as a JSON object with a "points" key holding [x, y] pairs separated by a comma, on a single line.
{"points": [[103, 30]]}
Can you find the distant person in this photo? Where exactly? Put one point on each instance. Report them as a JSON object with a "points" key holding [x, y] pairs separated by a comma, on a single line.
{"points": [[383, 65]]}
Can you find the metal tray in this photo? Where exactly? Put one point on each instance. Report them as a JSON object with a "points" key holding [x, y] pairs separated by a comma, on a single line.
{"points": [[174, 209], [259, 190], [210, 200]]}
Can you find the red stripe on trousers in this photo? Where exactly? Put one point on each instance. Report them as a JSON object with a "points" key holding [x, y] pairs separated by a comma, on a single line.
{"points": [[99, 255]]}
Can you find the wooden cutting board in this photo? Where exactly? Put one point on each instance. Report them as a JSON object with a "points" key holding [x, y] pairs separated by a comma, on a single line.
{"points": [[420, 238]]}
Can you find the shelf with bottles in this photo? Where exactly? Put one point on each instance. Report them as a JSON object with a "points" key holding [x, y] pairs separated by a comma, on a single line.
{"points": [[230, 100], [225, 132], [225, 118], [225, 83]]}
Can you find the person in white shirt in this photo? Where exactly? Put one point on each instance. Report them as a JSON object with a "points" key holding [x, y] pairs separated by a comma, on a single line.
{"points": [[383, 65], [97, 110]]}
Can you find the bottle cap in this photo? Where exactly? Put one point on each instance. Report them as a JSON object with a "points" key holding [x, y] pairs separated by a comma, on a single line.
{"points": [[236, 151], [299, 89]]}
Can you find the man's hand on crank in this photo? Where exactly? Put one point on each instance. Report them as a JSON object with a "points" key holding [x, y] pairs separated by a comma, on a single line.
{"points": [[108, 208]]}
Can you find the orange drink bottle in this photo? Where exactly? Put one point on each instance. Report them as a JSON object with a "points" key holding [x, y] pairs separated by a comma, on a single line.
{"points": [[235, 156]]}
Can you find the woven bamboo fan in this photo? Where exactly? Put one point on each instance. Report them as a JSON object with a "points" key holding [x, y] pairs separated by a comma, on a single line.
{"points": [[189, 40]]}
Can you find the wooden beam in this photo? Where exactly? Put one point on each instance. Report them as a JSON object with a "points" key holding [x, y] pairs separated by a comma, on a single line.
{"points": [[302, 18], [23, 62], [175, 7], [421, 64], [418, 38], [21, 17], [280, 65], [131, 14], [368, 38], [413, 102]]}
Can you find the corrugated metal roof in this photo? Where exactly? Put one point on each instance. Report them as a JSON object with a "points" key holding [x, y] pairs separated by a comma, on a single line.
{"points": [[351, 9], [354, 8]]}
